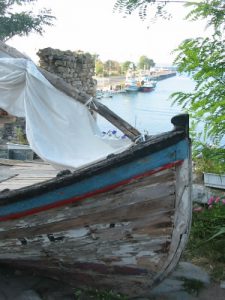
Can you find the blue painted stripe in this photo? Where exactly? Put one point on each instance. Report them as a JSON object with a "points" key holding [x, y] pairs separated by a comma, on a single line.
{"points": [[171, 154]]}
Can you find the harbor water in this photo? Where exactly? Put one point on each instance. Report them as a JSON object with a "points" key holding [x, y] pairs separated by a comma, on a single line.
{"points": [[149, 112]]}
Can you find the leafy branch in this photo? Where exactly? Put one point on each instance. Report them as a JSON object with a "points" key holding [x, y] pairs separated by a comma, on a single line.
{"points": [[22, 23], [129, 6]]}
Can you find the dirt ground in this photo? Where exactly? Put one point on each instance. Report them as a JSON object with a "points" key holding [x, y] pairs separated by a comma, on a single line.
{"points": [[18, 285], [212, 292]]}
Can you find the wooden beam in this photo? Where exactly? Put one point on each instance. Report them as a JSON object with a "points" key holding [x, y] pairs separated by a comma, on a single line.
{"points": [[79, 95]]}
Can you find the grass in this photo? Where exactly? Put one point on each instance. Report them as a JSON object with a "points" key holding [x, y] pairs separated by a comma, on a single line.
{"points": [[207, 238], [192, 286], [90, 294]]}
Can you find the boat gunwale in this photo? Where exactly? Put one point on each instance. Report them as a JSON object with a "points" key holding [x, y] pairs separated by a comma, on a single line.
{"points": [[152, 145]]}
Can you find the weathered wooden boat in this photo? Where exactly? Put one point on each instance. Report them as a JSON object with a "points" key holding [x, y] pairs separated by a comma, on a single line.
{"points": [[119, 224]]}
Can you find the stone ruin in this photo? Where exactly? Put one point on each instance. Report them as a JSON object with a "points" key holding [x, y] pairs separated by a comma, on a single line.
{"points": [[76, 68]]}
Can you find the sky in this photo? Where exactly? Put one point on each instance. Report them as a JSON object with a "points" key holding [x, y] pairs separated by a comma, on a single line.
{"points": [[91, 26]]}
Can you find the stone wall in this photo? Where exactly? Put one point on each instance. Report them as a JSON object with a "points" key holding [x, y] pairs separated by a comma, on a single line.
{"points": [[12, 129], [76, 68]]}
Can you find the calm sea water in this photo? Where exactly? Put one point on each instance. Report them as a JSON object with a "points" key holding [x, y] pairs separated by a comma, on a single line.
{"points": [[151, 111]]}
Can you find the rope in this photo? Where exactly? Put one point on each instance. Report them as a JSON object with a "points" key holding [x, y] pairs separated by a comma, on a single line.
{"points": [[139, 139], [90, 101]]}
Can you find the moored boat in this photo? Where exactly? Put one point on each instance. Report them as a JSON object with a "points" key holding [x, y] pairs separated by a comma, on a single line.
{"points": [[120, 223], [146, 84], [131, 85], [131, 82]]}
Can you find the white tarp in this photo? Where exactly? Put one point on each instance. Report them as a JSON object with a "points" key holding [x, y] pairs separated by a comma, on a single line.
{"points": [[59, 129]]}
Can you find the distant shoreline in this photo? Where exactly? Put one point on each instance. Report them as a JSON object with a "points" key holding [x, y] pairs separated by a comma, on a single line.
{"points": [[117, 82]]}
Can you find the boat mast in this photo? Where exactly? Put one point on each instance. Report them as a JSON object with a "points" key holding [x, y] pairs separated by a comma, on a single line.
{"points": [[131, 132]]}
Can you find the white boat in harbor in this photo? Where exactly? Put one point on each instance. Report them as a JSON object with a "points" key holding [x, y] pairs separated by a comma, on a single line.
{"points": [[131, 85], [131, 82]]}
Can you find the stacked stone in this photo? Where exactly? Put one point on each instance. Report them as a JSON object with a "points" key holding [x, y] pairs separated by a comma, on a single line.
{"points": [[76, 68]]}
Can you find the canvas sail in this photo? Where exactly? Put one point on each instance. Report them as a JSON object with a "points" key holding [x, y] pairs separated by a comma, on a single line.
{"points": [[59, 129]]}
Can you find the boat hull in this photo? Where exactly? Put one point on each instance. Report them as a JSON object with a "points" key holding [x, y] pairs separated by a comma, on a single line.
{"points": [[145, 89], [131, 88], [120, 224]]}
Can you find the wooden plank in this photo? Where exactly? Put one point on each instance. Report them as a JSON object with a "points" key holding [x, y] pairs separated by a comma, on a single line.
{"points": [[80, 96], [14, 162], [115, 207], [182, 218], [18, 174]]}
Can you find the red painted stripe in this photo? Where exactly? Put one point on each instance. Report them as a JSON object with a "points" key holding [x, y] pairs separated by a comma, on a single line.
{"points": [[90, 194]]}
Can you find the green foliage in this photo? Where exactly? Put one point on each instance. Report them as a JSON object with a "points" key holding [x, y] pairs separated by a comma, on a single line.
{"points": [[126, 66], [192, 286], [203, 59], [129, 6], [97, 295], [210, 159], [21, 136], [99, 67], [207, 238], [207, 157], [145, 63], [208, 225], [112, 67], [23, 22], [212, 10]]}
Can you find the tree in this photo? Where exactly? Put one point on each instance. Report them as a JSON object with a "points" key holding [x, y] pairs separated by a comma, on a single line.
{"points": [[99, 67], [129, 6], [112, 67], [23, 22], [204, 60], [145, 63], [126, 65]]}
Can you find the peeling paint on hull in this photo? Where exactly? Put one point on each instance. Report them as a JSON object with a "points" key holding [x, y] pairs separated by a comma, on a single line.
{"points": [[120, 224]]}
